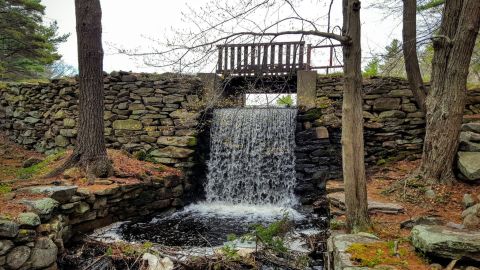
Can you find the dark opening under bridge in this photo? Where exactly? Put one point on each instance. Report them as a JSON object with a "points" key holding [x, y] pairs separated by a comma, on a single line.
{"points": [[274, 58]]}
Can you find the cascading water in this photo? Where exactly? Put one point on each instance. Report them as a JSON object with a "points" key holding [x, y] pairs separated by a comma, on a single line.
{"points": [[252, 158], [250, 180]]}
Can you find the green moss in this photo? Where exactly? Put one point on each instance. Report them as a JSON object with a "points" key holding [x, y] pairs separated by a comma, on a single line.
{"points": [[324, 102], [192, 141], [381, 162], [5, 188], [313, 114], [375, 254], [140, 155], [40, 168]]}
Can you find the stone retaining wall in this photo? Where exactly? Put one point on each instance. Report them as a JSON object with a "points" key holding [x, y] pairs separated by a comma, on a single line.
{"points": [[143, 112], [35, 238], [394, 128]]}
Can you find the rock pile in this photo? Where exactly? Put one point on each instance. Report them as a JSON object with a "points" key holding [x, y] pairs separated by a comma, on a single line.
{"points": [[469, 152]]}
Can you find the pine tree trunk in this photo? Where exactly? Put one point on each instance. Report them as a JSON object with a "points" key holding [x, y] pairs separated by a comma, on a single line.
{"points": [[90, 150], [446, 101], [412, 67], [352, 123]]}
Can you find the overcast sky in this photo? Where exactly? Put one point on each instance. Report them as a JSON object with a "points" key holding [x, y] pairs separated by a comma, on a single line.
{"points": [[127, 23]]}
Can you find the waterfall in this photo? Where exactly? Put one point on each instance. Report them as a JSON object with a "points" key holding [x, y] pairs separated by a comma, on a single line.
{"points": [[252, 159]]}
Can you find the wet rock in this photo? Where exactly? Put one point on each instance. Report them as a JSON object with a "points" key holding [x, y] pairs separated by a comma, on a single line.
{"points": [[469, 164], [5, 246], [18, 256], [28, 219], [447, 242], [157, 263], [8, 228], [44, 253]]}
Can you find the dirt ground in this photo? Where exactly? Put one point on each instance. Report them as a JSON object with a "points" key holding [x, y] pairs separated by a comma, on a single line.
{"points": [[127, 170], [387, 184]]}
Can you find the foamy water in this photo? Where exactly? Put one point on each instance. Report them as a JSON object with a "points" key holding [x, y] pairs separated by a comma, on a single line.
{"points": [[247, 212]]}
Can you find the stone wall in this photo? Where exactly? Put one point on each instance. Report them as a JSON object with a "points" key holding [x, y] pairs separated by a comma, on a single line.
{"points": [[393, 130], [143, 112], [54, 213]]}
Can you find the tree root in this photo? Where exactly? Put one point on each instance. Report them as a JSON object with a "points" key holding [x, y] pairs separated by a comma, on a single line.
{"points": [[94, 167]]}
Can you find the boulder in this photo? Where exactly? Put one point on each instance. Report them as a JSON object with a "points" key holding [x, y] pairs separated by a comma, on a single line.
{"points": [[337, 245], [44, 253], [69, 123], [177, 141], [469, 164], [157, 263], [184, 114], [43, 207], [474, 127], [338, 200], [392, 114], [172, 152], [61, 194], [468, 201], [128, 124], [5, 246], [471, 217], [8, 228], [18, 257], [61, 141], [446, 242], [386, 104], [28, 219], [30, 162]]}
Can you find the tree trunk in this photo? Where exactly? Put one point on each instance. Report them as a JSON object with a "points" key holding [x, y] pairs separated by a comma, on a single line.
{"points": [[90, 150], [453, 47], [412, 67], [352, 123]]}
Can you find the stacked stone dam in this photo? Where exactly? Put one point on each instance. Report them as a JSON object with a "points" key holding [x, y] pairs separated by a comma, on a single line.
{"points": [[394, 129], [143, 112], [35, 238]]}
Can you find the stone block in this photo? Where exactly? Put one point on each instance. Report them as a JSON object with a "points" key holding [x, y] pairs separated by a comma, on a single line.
{"points": [[387, 104], [128, 124]]}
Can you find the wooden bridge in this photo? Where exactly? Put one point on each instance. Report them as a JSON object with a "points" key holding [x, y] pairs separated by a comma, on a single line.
{"points": [[275, 58]]}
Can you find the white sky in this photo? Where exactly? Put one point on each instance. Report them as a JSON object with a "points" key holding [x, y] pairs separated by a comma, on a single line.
{"points": [[127, 23]]}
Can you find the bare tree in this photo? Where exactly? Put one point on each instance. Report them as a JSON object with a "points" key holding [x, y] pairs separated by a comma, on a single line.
{"points": [[352, 123], [445, 103], [412, 67], [90, 151]]}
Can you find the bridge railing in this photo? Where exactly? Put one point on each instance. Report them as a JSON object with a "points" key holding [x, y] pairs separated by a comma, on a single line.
{"points": [[261, 58]]}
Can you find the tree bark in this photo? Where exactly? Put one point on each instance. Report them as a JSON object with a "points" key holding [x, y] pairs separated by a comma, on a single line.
{"points": [[352, 123], [90, 150], [412, 68], [453, 47]]}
